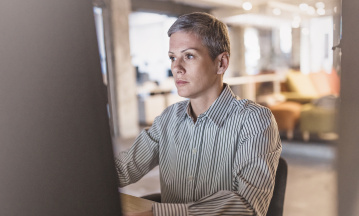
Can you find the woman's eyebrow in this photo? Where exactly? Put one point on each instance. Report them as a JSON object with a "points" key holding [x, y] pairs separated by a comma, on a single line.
{"points": [[169, 52]]}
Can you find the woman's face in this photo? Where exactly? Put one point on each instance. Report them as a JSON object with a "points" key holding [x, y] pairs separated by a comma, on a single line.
{"points": [[196, 74]]}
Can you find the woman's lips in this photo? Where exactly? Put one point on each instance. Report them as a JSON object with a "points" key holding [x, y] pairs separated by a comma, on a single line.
{"points": [[181, 82]]}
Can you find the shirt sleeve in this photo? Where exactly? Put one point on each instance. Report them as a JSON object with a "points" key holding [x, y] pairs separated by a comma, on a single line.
{"points": [[142, 157], [253, 175]]}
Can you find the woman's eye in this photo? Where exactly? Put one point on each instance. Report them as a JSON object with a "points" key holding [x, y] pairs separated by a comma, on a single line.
{"points": [[172, 58], [189, 56]]}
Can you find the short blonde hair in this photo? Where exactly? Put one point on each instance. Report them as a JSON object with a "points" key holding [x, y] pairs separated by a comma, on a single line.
{"points": [[212, 32]]}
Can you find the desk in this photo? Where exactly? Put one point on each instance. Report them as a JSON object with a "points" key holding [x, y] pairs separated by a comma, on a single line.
{"points": [[251, 81], [132, 204]]}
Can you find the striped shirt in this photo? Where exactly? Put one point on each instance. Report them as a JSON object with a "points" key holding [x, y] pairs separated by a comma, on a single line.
{"points": [[222, 164]]}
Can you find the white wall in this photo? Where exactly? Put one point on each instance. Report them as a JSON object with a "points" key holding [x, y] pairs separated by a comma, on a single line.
{"points": [[149, 43], [316, 44], [321, 42]]}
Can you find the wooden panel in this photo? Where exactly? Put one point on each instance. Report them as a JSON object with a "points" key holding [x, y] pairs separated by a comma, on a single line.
{"points": [[132, 204]]}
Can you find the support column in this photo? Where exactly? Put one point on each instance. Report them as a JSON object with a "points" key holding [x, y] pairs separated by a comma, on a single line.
{"points": [[296, 39], [123, 89], [237, 65]]}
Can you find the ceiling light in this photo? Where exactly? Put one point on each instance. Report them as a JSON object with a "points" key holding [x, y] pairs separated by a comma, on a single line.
{"points": [[247, 6], [277, 11], [303, 6], [321, 11], [311, 10], [320, 5]]}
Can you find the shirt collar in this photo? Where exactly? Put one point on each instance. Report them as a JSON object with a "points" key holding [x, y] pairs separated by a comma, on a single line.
{"points": [[219, 109]]}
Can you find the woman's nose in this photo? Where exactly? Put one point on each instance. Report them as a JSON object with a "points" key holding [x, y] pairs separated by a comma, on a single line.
{"points": [[177, 66]]}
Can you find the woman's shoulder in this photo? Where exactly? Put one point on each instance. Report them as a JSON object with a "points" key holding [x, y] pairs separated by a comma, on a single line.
{"points": [[249, 106]]}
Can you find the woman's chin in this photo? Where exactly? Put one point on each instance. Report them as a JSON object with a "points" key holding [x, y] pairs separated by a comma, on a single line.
{"points": [[183, 94]]}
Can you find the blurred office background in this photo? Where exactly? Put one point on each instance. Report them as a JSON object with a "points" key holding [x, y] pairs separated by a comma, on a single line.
{"points": [[284, 55]]}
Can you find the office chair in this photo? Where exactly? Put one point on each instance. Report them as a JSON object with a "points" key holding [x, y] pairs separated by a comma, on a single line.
{"points": [[277, 201]]}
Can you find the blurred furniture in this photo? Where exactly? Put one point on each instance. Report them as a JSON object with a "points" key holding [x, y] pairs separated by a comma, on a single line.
{"points": [[149, 107], [131, 204], [304, 88], [277, 201], [153, 99], [319, 117], [301, 88], [287, 116], [318, 93]]}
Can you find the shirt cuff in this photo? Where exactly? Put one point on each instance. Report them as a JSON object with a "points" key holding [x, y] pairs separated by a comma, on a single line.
{"points": [[169, 209]]}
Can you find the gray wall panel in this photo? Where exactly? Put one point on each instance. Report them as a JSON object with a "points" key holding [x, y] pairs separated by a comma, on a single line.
{"points": [[55, 145]]}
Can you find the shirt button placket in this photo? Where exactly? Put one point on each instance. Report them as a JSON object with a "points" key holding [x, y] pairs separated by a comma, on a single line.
{"points": [[193, 161]]}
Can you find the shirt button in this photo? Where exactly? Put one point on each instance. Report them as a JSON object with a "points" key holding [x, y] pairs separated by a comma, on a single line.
{"points": [[190, 178], [194, 151]]}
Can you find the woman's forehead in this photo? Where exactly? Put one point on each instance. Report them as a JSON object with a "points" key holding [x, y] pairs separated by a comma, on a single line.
{"points": [[185, 40]]}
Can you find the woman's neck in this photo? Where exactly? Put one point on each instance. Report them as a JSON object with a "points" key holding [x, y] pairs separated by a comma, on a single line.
{"points": [[201, 105]]}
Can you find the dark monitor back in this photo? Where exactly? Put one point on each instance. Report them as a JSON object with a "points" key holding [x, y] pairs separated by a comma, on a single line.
{"points": [[55, 146]]}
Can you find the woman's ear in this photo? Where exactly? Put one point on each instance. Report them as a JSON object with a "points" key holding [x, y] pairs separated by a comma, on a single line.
{"points": [[223, 59]]}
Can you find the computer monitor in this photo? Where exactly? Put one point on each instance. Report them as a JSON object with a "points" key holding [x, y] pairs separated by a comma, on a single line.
{"points": [[56, 155]]}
